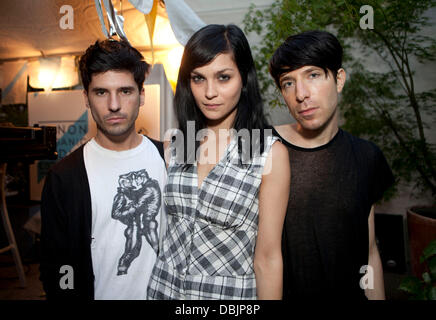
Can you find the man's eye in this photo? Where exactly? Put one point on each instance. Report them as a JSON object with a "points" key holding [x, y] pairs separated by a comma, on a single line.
{"points": [[287, 84], [314, 75], [100, 92], [127, 91]]}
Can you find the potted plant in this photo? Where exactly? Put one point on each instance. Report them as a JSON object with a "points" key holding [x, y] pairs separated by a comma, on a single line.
{"points": [[423, 288], [421, 223]]}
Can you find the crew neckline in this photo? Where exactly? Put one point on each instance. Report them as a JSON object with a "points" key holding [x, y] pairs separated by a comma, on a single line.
{"points": [[118, 154], [293, 146]]}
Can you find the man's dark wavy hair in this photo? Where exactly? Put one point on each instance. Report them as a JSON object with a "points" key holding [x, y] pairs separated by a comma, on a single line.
{"points": [[311, 48], [201, 49], [112, 54]]}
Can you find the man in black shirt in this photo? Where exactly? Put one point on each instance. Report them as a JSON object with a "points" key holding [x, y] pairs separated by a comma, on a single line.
{"points": [[329, 247]]}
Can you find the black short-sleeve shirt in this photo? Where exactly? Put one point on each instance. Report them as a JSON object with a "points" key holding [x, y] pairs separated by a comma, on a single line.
{"points": [[325, 236]]}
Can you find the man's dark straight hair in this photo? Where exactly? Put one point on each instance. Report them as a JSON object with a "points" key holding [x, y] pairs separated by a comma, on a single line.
{"points": [[311, 48], [112, 55]]}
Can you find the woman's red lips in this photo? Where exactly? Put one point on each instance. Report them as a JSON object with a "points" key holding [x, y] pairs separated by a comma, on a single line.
{"points": [[212, 106]]}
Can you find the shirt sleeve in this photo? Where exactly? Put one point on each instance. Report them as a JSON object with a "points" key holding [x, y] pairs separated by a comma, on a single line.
{"points": [[382, 176], [53, 237]]}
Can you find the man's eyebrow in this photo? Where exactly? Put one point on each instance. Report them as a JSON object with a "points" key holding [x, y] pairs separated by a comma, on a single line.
{"points": [[308, 70], [119, 89], [311, 69], [126, 88], [98, 89], [287, 77]]}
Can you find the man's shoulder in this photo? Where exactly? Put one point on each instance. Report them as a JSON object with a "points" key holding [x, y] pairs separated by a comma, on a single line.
{"points": [[158, 145], [360, 144], [70, 163], [283, 130]]}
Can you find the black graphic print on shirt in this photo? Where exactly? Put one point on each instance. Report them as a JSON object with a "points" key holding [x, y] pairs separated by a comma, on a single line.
{"points": [[136, 204]]}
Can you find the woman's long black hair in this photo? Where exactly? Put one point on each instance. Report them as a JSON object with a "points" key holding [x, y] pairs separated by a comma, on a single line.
{"points": [[201, 49]]}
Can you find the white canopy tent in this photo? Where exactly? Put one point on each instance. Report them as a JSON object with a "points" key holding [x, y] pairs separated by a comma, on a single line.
{"points": [[31, 30]]}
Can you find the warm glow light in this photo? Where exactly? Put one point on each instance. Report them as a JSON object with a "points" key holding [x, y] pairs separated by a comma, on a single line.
{"points": [[165, 49], [45, 77], [170, 59], [51, 73], [172, 64], [175, 56], [163, 34]]}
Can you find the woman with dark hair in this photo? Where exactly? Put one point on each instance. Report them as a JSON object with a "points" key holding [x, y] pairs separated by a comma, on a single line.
{"points": [[227, 195]]}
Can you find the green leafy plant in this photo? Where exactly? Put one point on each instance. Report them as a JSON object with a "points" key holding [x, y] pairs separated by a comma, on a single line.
{"points": [[380, 100], [424, 288]]}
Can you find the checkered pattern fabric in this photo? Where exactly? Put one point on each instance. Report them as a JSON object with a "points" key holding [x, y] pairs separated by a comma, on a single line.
{"points": [[208, 248]]}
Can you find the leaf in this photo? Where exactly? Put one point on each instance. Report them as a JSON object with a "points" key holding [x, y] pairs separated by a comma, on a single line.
{"points": [[432, 294], [432, 267], [429, 251], [426, 277], [411, 285]]}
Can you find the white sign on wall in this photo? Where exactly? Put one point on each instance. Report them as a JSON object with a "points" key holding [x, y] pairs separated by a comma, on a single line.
{"points": [[74, 125]]}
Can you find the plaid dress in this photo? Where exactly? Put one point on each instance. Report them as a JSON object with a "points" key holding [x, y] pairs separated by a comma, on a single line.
{"points": [[208, 247]]}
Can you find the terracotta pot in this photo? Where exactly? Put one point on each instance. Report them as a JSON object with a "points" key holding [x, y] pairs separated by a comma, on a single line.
{"points": [[421, 223]]}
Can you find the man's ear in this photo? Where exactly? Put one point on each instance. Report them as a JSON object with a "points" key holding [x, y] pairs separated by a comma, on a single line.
{"points": [[85, 96], [142, 97], [341, 77]]}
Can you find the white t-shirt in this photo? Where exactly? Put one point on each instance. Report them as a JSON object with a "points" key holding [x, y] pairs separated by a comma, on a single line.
{"points": [[126, 196]]}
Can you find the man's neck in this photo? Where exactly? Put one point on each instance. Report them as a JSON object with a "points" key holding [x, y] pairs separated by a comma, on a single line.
{"points": [[120, 143], [313, 138]]}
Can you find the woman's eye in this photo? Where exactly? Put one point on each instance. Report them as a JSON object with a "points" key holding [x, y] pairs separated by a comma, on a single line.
{"points": [[224, 77], [196, 79]]}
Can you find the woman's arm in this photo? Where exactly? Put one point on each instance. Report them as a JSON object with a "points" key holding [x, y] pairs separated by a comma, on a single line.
{"points": [[273, 201]]}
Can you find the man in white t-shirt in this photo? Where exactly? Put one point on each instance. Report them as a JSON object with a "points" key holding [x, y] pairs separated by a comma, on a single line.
{"points": [[102, 206]]}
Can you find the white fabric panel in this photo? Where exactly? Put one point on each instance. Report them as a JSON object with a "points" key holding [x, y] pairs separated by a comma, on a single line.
{"points": [[167, 116], [142, 5], [184, 21]]}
